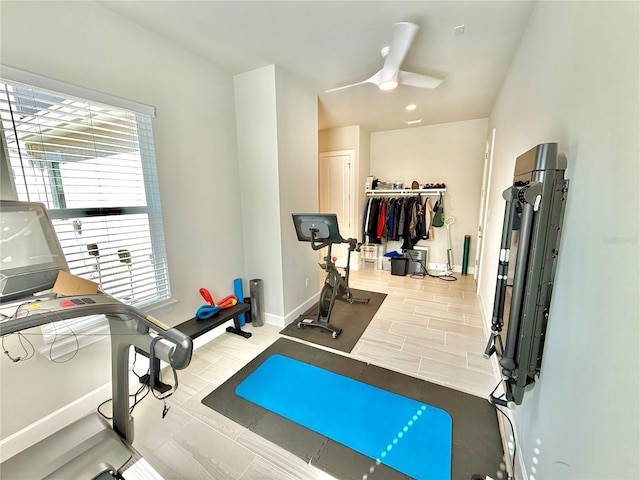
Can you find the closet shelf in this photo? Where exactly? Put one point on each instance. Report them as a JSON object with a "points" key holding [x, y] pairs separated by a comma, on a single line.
{"points": [[404, 192]]}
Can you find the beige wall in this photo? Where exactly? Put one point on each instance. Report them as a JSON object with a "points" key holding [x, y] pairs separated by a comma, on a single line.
{"points": [[575, 80], [450, 153], [343, 138]]}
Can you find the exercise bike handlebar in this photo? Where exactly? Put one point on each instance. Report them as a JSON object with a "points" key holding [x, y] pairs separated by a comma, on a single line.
{"points": [[319, 244], [353, 244]]}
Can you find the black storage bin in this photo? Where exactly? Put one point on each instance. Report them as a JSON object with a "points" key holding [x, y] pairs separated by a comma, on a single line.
{"points": [[399, 266]]}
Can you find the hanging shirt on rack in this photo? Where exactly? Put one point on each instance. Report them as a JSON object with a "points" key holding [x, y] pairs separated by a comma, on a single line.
{"points": [[408, 233], [391, 217], [372, 227], [385, 228], [420, 226], [400, 228], [365, 220], [413, 217], [382, 218], [428, 217]]}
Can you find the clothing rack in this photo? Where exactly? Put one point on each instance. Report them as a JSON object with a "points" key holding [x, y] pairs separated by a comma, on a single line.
{"points": [[405, 192]]}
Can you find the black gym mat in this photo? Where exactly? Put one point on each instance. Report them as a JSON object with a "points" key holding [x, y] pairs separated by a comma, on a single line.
{"points": [[352, 318], [476, 443]]}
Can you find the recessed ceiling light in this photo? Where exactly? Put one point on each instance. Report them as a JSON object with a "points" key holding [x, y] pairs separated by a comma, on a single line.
{"points": [[413, 122], [459, 30], [411, 107]]}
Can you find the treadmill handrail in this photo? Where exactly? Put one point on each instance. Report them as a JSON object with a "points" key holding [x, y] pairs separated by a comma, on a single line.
{"points": [[41, 312], [124, 332]]}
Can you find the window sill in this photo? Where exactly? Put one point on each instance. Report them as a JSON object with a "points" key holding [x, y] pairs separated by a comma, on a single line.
{"points": [[160, 308]]}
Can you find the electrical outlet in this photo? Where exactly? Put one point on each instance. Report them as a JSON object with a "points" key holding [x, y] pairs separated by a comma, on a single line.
{"points": [[306, 283], [437, 266]]}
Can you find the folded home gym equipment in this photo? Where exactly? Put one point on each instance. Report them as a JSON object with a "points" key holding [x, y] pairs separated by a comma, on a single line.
{"points": [[540, 190]]}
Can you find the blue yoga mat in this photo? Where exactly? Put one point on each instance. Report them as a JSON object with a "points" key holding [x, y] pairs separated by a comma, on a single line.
{"points": [[404, 434]]}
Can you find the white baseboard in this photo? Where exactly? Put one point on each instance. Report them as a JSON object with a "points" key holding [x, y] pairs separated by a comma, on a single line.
{"points": [[53, 422], [282, 322], [440, 267]]}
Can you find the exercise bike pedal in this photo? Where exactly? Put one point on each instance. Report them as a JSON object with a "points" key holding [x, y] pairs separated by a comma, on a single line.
{"points": [[304, 322], [351, 299]]}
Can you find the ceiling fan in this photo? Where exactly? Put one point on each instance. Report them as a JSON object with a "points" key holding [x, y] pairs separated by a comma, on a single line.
{"points": [[390, 75]]}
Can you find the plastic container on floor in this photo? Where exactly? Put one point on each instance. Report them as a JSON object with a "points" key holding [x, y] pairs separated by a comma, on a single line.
{"points": [[256, 292], [399, 266]]}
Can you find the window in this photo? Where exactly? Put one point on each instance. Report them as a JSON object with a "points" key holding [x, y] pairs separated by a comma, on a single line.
{"points": [[93, 166]]}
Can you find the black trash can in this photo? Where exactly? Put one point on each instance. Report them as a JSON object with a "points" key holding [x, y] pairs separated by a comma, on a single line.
{"points": [[399, 266]]}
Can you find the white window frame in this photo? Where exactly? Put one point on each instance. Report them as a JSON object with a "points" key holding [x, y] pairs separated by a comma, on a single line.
{"points": [[65, 337]]}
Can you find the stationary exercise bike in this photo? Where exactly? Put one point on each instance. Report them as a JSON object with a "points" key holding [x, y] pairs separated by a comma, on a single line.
{"points": [[322, 231]]}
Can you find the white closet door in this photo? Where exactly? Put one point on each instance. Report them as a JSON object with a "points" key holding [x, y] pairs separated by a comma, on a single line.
{"points": [[484, 208], [335, 189]]}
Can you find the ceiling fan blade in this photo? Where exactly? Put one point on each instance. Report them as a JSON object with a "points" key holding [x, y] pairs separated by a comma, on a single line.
{"points": [[344, 87], [417, 80], [403, 35], [375, 78]]}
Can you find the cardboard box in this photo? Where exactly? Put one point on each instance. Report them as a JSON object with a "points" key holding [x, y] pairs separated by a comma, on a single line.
{"points": [[68, 285]]}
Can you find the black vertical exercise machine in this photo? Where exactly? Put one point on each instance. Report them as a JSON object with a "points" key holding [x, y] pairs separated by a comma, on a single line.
{"points": [[321, 229], [539, 191]]}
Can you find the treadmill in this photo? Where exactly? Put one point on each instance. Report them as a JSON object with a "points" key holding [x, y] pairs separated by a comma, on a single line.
{"points": [[89, 448], [539, 192]]}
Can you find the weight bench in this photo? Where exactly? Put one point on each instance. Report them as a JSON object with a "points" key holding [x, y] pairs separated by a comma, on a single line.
{"points": [[196, 327]]}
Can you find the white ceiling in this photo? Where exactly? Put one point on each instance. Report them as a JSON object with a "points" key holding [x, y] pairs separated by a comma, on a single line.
{"points": [[333, 43]]}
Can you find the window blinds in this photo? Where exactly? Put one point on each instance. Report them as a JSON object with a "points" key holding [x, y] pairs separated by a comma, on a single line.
{"points": [[93, 166]]}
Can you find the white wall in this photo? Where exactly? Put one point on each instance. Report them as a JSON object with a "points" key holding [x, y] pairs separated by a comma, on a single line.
{"points": [[297, 110], [575, 81], [277, 150], [84, 44], [449, 153], [257, 133]]}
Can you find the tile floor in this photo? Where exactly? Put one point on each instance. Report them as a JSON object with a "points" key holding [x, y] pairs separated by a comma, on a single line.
{"points": [[426, 328]]}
